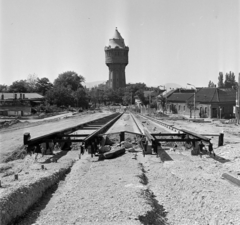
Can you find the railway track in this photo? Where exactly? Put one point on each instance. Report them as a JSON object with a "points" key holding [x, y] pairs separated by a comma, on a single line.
{"points": [[85, 133], [174, 131], [170, 133]]}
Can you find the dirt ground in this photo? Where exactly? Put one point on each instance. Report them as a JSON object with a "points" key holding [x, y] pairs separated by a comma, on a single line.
{"points": [[191, 188], [175, 188]]}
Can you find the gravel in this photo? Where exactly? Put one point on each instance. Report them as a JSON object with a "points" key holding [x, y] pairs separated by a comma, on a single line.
{"points": [[176, 189], [101, 192], [17, 196]]}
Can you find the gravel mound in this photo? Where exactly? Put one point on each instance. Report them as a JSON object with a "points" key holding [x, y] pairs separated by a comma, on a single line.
{"points": [[101, 192], [16, 197], [192, 191]]}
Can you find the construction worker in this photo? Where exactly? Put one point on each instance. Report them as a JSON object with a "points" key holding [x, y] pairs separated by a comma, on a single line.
{"points": [[210, 149]]}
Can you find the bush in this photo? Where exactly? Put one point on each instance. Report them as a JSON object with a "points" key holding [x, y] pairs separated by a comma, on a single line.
{"points": [[48, 108]]}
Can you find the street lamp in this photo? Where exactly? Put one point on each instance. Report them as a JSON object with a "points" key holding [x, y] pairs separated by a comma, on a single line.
{"points": [[193, 98]]}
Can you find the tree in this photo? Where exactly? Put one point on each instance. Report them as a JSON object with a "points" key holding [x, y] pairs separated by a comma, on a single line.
{"points": [[140, 95], [135, 87], [70, 80], [220, 80], [81, 99], [93, 95], [163, 102], [230, 80], [43, 85], [211, 84], [19, 86], [59, 96], [3, 88], [32, 80], [153, 105], [127, 98]]}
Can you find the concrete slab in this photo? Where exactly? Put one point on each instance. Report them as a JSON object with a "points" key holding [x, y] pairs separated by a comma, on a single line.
{"points": [[124, 124]]}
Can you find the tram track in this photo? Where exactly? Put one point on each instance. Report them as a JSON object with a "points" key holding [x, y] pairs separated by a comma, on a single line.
{"points": [[170, 130], [26, 191], [89, 132]]}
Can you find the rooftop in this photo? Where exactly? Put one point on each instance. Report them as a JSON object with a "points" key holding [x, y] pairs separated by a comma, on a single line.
{"points": [[117, 41], [180, 97], [9, 96], [215, 95]]}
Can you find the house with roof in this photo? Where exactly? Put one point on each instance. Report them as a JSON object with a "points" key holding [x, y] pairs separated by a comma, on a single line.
{"points": [[177, 103], [176, 100], [215, 102], [19, 104], [209, 102]]}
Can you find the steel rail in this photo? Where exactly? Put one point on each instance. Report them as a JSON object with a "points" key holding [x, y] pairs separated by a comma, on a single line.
{"points": [[58, 136], [196, 136], [145, 133], [137, 124]]}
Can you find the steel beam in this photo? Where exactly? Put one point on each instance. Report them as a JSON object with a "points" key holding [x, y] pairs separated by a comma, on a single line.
{"points": [[179, 140], [102, 129], [199, 136], [167, 134], [54, 135]]}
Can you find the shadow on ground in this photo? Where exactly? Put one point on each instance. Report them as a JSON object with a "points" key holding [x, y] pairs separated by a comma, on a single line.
{"points": [[164, 156], [157, 216], [218, 158]]}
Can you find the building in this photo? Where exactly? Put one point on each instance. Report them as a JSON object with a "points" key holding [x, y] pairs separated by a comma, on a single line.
{"points": [[19, 104], [209, 102], [116, 56], [215, 102]]}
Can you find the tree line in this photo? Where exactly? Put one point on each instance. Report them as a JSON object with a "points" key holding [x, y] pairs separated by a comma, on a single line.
{"points": [[229, 81], [68, 90]]}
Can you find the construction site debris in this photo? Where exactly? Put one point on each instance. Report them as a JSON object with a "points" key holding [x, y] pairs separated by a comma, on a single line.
{"points": [[126, 144], [104, 149], [231, 179], [115, 152], [104, 140]]}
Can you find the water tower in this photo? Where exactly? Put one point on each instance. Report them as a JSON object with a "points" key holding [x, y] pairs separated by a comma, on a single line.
{"points": [[116, 55]]}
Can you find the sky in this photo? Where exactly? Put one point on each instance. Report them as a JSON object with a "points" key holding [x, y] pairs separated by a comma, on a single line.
{"points": [[170, 41]]}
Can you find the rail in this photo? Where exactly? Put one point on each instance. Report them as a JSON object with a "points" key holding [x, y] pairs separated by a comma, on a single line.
{"points": [[66, 135]]}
